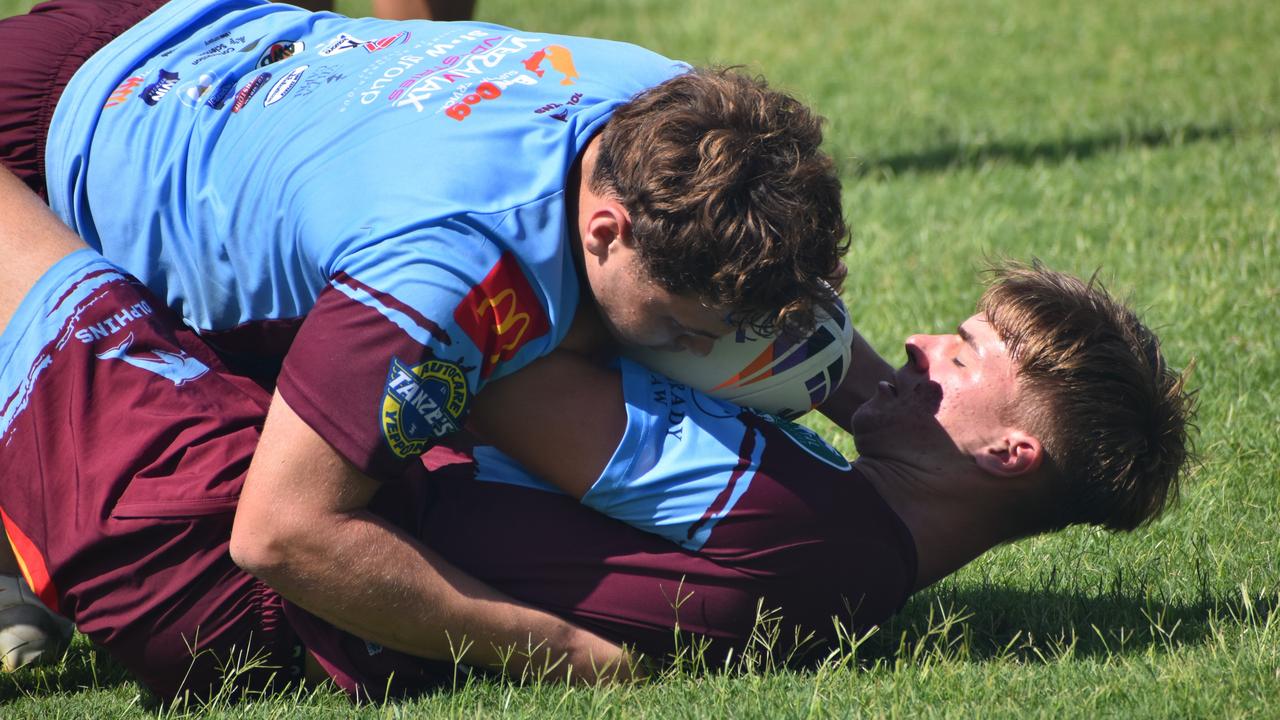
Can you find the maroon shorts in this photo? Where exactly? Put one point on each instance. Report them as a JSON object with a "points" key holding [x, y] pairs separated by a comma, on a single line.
{"points": [[123, 448], [124, 443], [39, 52]]}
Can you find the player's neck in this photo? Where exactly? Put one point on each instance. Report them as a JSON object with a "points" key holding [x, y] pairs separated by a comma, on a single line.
{"points": [[954, 514]]}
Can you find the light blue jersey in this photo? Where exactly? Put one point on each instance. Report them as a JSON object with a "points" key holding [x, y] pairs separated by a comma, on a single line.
{"points": [[685, 459], [386, 200]]}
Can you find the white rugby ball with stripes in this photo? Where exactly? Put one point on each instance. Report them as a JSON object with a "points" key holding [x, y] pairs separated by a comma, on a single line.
{"points": [[781, 375]]}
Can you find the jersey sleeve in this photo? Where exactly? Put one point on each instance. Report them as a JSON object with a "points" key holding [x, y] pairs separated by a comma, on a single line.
{"points": [[686, 459], [398, 342]]}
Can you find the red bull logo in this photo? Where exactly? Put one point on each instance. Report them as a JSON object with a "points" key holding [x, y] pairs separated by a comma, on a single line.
{"points": [[560, 59]]}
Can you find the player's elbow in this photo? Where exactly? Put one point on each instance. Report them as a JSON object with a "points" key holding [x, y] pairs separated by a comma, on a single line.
{"points": [[264, 548], [250, 553]]}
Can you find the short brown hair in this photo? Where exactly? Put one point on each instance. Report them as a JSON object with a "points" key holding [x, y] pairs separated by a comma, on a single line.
{"points": [[1095, 389], [730, 198]]}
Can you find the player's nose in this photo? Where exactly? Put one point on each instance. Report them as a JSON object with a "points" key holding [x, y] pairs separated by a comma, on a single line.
{"points": [[918, 352]]}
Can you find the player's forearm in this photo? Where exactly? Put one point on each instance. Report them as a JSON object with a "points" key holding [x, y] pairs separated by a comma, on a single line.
{"points": [[369, 579], [866, 370], [303, 527]]}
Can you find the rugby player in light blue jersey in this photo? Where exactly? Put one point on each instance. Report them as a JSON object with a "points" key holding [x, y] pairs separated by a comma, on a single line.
{"points": [[377, 219]]}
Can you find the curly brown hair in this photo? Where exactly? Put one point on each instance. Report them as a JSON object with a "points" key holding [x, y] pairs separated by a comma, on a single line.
{"points": [[1095, 388], [731, 200]]}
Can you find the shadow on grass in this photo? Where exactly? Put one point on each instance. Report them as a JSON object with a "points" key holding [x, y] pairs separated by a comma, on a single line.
{"points": [[991, 622], [950, 156]]}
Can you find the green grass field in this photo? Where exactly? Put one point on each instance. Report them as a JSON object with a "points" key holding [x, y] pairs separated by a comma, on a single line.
{"points": [[1139, 138]]}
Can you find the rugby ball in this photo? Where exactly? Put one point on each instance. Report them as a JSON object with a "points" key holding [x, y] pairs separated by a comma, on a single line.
{"points": [[782, 375]]}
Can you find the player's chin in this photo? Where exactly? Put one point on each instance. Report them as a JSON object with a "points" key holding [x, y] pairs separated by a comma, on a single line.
{"points": [[865, 419]]}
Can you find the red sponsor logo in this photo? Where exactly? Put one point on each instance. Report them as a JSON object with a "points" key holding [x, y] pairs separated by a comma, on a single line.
{"points": [[461, 109], [248, 91], [123, 91], [374, 46], [501, 314]]}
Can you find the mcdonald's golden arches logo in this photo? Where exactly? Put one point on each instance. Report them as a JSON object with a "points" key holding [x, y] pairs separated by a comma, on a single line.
{"points": [[501, 314]]}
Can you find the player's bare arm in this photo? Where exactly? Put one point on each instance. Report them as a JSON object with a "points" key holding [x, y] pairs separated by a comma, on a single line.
{"points": [[32, 239], [561, 417], [303, 528]]}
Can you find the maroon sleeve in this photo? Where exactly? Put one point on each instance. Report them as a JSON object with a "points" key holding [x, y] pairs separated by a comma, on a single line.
{"points": [[383, 376], [373, 391]]}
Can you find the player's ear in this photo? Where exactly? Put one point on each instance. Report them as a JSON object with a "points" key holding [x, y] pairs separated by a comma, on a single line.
{"points": [[608, 223], [1015, 454]]}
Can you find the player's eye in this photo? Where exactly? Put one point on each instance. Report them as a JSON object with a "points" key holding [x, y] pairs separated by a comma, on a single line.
{"points": [[957, 362]]}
